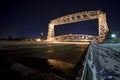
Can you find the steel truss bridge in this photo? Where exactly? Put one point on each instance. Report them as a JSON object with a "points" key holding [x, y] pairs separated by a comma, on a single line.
{"points": [[76, 37], [77, 17]]}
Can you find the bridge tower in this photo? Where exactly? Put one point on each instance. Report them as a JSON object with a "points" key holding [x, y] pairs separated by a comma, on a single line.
{"points": [[77, 17]]}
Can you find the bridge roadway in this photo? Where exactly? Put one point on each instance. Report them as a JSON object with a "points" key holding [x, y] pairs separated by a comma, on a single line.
{"points": [[102, 62]]}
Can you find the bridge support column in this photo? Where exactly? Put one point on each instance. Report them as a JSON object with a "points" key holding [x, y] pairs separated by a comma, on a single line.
{"points": [[102, 27], [50, 36]]}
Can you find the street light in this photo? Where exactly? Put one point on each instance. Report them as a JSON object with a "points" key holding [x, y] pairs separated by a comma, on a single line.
{"points": [[41, 36], [41, 33], [113, 35]]}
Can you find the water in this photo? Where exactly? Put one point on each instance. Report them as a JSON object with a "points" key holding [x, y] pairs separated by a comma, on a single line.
{"points": [[27, 67], [49, 61]]}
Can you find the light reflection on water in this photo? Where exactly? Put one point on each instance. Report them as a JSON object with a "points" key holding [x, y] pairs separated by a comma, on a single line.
{"points": [[50, 51], [61, 65]]}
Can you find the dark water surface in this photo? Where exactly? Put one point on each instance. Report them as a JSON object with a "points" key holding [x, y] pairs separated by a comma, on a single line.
{"points": [[39, 62]]}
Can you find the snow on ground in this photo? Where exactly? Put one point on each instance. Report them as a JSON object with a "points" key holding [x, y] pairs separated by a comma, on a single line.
{"points": [[114, 46], [102, 62]]}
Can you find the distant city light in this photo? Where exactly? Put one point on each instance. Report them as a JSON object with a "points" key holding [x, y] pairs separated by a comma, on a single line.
{"points": [[38, 39], [113, 35]]}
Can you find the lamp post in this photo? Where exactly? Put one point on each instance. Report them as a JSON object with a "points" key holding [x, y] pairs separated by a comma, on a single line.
{"points": [[41, 36]]}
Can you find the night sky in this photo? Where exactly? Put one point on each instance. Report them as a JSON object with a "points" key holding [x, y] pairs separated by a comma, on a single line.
{"points": [[28, 18]]}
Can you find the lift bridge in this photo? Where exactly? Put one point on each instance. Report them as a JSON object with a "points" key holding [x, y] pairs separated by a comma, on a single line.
{"points": [[76, 37], [78, 17]]}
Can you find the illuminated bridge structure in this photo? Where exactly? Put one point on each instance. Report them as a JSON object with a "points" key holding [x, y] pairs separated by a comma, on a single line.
{"points": [[77, 17], [76, 37]]}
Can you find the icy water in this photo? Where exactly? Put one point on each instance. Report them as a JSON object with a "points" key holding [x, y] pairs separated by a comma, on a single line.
{"points": [[39, 61]]}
